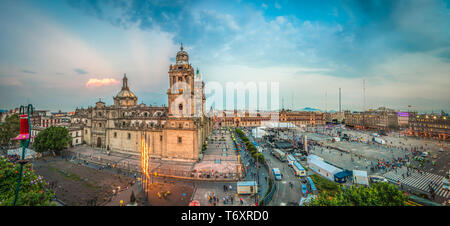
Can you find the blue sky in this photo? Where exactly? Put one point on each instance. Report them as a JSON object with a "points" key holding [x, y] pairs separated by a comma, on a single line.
{"points": [[50, 50]]}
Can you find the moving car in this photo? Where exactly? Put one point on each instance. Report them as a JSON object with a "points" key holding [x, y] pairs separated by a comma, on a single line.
{"points": [[277, 174]]}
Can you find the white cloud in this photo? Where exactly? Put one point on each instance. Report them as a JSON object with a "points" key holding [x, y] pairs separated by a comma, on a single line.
{"points": [[93, 82], [10, 81], [53, 51], [278, 6]]}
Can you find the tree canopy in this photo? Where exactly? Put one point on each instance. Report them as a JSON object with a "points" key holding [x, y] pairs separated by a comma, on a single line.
{"points": [[378, 194], [32, 189], [52, 138], [9, 129], [250, 146]]}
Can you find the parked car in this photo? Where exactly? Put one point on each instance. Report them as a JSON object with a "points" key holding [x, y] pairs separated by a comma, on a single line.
{"points": [[304, 190]]}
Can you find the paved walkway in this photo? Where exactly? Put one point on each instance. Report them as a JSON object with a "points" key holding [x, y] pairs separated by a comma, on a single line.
{"points": [[124, 195], [220, 156], [216, 189]]}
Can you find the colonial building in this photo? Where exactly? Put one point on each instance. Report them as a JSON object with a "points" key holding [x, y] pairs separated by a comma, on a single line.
{"points": [[378, 119], [429, 125], [245, 119], [176, 132]]}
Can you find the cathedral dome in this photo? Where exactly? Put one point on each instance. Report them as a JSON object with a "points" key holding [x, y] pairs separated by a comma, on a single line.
{"points": [[125, 97], [182, 56], [125, 93]]}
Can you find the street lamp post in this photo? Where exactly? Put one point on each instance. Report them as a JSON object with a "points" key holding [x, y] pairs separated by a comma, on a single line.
{"points": [[24, 137]]}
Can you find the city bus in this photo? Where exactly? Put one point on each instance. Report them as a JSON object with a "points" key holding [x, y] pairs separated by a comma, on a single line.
{"points": [[291, 159], [298, 169], [279, 154]]}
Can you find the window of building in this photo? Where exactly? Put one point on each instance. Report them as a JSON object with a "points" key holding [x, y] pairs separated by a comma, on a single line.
{"points": [[180, 107], [129, 136], [160, 137], [85, 132], [115, 134], [100, 125], [179, 140], [180, 126]]}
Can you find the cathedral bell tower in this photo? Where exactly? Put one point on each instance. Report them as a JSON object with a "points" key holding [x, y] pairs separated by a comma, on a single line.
{"points": [[181, 91]]}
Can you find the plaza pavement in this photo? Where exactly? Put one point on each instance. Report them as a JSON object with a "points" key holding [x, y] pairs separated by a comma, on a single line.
{"points": [[220, 157]]}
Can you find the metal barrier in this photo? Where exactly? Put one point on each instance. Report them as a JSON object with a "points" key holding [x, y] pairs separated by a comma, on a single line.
{"points": [[272, 187]]}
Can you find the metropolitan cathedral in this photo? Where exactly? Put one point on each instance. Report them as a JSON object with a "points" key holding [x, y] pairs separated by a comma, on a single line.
{"points": [[176, 132]]}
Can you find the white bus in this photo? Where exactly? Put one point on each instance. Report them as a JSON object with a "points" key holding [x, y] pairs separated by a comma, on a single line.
{"points": [[277, 174], [279, 154]]}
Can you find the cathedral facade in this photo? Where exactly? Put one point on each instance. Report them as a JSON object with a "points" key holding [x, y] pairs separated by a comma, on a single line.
{"points": [[177, 132]]}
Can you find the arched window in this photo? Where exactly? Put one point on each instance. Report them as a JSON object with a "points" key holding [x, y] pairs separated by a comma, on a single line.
{"points": [[180, 107], [99, 125]]}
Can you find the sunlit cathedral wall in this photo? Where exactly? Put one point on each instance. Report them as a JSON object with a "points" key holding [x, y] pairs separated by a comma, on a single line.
{"points": [[122, 126]]}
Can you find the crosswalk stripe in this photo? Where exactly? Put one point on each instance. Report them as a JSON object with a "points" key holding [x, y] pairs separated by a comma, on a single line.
{"points": [[418, 181]]}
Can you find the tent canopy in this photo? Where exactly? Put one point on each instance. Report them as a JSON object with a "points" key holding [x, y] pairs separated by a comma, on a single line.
{"points": [[343, 174]]}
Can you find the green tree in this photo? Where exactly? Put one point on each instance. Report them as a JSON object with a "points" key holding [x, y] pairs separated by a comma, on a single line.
{"points": [[52, 139], [378, 194], [32, 192], [9, 129]]}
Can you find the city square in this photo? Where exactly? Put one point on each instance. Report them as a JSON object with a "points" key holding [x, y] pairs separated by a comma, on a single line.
{"points": [[234, 106]]}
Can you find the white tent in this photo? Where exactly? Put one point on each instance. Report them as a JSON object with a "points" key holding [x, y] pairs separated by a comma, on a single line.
{"points": [[360, 177], [258, 132], [321, 167], [270, 124]]}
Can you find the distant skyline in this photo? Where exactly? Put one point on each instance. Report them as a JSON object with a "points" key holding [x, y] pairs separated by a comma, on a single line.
{"points": [[59, 55]]}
